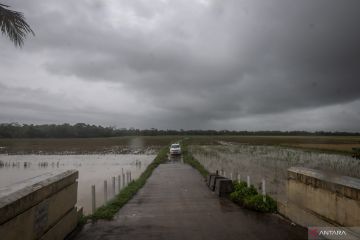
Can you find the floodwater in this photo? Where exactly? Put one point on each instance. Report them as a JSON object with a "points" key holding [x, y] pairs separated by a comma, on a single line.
{"points": [[93, 169], [269, 163]]}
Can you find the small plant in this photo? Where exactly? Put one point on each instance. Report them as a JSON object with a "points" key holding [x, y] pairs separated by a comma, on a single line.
{"points": [[242, 192], [239, 185], [250, 198], [82, 220], [256, 202]]}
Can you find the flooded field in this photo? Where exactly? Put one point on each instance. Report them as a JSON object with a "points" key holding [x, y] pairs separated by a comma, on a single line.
{"points": [[93, 170], [269, 162], [112, 145]]}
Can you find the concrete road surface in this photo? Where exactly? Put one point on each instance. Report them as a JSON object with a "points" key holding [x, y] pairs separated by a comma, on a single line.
{"points": [[175, 203]]}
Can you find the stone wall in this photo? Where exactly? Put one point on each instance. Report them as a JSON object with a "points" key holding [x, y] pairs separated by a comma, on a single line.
{"points": [[316, 198], [40, 208]]}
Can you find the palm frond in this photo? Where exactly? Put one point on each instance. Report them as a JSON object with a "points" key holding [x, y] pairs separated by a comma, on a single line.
{"points": [[13, 24]]}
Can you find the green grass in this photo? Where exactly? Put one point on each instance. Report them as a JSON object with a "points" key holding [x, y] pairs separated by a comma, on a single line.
{"points": [[112, 207], [189, 159], [249, 197]]}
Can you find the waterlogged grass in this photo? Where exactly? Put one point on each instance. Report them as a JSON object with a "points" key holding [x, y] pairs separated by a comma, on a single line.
{"points": [[84, 145], [269, 163], [112, 207], [245, 196], [334, 144], [249, 197], [189, 159]]}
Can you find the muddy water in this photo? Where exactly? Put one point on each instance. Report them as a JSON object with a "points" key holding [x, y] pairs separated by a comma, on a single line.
{"points": [[93, 170], [269, 163]]}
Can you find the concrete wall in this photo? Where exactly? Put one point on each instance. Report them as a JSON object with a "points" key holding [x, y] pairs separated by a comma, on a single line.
{"points": [[316, 198], [40, 208]]}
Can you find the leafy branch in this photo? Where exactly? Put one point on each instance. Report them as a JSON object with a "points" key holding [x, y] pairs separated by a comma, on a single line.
{"points": [[13, 24]]}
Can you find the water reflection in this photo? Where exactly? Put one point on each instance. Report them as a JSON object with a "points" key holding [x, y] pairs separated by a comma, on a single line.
{"points": [[175, 159], [93, 170]]}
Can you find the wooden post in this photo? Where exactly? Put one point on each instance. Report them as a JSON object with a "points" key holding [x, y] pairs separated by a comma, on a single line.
{"points": [[130, 175], [239, 178], [231, 175], [105, 192], [93, 198], [119, 183], [113, 186], [123, 178], [248, 181], [263, 190]]}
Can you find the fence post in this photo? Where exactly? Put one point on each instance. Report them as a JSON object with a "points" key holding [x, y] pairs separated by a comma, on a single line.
{"points": [[93, 198], [113, 186], [119, 183], [105, 191], [123, 177], [231, 176], [263, 190], [239, 178], [248, 181], [130, 175]]}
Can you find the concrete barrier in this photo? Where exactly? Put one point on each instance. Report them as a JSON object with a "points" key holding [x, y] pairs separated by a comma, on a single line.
{"points": [[223, 186], [208, 178], [213, 181], [40, 208], [316, 198]]}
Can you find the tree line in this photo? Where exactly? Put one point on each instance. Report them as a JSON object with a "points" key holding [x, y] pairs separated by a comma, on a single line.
{"points": [[82, 130]]}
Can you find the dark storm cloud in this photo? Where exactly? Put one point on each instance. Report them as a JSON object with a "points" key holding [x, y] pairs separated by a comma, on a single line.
{"points": [[203, 64]]}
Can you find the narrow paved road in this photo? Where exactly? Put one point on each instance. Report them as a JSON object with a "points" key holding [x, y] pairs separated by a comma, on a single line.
{"points": [[176, 204]]}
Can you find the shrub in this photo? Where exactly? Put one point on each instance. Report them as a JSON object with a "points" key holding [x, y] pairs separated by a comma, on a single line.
{"points": [[257, 203], [239, 185], [242, 192], [249, 198]]}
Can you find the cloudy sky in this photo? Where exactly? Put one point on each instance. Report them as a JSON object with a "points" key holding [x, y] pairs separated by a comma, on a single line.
{"points": [[208, 64]]}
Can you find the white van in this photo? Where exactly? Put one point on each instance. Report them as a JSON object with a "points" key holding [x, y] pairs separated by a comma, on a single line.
{"points": [[175, 149]]}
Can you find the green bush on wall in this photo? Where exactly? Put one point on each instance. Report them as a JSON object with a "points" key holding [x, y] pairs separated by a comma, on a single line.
{"points": [[250, 198]]}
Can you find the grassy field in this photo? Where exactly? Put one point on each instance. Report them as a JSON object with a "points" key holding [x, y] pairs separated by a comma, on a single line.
{"points": [[336, 144]]}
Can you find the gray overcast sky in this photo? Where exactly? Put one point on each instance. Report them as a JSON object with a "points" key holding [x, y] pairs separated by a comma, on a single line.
{"points": [[221, 64]]}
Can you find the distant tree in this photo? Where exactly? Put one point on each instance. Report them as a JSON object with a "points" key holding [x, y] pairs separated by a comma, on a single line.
{"points": [[13, 24]]}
